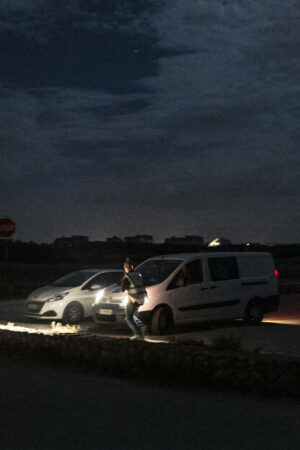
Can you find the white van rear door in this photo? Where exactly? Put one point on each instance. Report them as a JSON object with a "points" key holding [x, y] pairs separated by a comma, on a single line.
{"points": [[224, 287]]}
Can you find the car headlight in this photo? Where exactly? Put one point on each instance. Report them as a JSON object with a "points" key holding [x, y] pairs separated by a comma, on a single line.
{"points": [[57, 297], [125, 301], [99, 296]]}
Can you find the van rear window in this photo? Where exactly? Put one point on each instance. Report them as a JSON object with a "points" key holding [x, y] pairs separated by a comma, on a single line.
{"points": [[223, 268], [255, 266]]}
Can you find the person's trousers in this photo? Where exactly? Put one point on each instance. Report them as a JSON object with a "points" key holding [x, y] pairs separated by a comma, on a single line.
{"points": [[134, 323]]}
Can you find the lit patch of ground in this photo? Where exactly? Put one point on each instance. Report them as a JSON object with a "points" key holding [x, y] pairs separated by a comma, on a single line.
{"points": [[56, 328]]}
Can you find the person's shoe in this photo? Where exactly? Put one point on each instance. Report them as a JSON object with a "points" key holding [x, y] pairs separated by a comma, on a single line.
{"points": [[136, 337]]}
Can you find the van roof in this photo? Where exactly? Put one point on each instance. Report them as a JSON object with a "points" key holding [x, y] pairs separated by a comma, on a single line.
{"points": [[183, 256]]}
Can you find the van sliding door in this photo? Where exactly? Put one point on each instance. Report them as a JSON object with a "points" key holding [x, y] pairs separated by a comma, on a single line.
{"points": [[224, 287]]}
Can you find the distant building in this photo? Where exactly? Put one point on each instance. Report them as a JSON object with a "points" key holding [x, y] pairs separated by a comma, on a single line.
{"points": [[114, 239], [219, 241], [187, 240], [139, 239], [253, 244], [71, 242]]}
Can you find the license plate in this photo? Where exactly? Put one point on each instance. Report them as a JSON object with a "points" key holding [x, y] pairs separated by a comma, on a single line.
{"points": [[107, 312]]}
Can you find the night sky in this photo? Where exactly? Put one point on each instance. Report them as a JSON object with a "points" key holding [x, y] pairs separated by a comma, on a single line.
{"points": [[162, 117]]}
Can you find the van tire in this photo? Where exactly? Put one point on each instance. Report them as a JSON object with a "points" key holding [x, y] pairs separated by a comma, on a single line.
{"points": [[161, 320], [73, 313], [254, 312]]}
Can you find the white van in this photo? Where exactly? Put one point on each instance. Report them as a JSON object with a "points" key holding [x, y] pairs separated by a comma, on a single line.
{"points": [[198, 287]]}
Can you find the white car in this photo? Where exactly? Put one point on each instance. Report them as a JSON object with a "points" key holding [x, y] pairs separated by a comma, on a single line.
{"points": [[70, 298], [198, 287]]}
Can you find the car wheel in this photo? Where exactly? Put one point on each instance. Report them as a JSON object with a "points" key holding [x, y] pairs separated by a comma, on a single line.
{"points": [[73, 313], [161, 320], [254, 312]]}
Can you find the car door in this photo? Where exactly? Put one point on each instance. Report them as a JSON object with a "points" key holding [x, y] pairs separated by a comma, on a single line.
{"points": [[188, 291], [224, 287]]}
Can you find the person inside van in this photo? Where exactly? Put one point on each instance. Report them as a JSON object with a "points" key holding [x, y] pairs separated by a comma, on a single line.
{"points": [[184, 277]]}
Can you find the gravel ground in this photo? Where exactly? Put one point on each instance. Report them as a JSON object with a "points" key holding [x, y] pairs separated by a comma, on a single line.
{"points": [[46, 408], [279, 333]]}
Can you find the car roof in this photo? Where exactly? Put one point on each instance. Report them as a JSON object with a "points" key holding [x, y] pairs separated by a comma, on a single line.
{"points": [[101, 270]]}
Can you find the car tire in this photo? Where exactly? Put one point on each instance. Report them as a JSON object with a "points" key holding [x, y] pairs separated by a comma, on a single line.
{"points": [[254, 312], [161, 321], [73, 313]]}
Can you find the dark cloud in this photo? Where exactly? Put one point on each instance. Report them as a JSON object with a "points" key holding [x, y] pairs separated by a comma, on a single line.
{"points": [[119, 108], [181, 115], [38, 19]]}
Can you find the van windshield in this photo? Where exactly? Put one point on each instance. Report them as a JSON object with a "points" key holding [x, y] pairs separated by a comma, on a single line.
{"points": [[157, 270], [73, 279]]}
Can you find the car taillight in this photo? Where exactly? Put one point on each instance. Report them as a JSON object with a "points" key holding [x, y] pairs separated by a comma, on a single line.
{"points": [[276, 273]]}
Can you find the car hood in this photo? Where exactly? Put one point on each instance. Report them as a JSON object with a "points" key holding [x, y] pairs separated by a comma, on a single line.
{"points": [[46, 292], [114, 292]]}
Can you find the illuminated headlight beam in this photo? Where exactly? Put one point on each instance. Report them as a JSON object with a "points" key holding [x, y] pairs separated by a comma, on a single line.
{"points": [[56, 328], [125, 301], [99, 296]]}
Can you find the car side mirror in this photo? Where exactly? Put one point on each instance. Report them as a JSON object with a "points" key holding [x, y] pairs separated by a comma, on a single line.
{"points": [[95, 287]]}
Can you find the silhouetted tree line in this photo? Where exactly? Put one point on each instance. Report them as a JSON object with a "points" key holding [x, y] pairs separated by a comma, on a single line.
{"points": [[30, 265], [115, 252]]}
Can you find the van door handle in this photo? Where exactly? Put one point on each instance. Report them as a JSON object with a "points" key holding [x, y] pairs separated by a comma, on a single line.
{"points": [[213, 287], [203, 289]]}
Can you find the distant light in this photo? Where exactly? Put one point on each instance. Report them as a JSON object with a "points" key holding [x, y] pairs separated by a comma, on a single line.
{"points": [[215, 243], [276, 273], [248, 243]]}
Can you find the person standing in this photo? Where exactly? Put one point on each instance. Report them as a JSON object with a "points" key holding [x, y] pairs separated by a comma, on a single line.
{"points": [[132, 283]]}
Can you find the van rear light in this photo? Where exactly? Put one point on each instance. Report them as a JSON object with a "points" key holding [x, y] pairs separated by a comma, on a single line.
{"points": [[276, 273]]}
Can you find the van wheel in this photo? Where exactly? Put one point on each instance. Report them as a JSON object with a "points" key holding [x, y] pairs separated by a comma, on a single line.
{"points": [[73, 313], [161, 320], [254, 312]]}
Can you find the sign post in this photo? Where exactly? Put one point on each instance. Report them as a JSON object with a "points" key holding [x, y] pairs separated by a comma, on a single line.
{"points": [[7, 229]]}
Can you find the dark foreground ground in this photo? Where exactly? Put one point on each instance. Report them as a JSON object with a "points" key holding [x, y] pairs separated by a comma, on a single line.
{"points": [[44, 408]]}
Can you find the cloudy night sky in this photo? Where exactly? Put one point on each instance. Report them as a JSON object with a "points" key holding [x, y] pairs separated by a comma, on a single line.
{"points": [[159, 117]]}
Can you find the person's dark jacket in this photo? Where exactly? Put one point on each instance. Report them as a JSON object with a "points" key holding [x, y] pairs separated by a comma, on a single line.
{"points": [[133, 283]]}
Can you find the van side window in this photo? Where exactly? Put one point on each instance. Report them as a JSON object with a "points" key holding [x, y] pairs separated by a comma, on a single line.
{"points": [[191, 273], [223, 268]]}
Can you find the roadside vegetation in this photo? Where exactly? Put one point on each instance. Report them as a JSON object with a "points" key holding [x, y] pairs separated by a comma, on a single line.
{"points": [[222, 366]]}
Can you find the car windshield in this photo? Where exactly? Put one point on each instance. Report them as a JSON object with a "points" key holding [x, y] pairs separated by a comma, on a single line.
{"points": [[73, 279], [157, 270]]}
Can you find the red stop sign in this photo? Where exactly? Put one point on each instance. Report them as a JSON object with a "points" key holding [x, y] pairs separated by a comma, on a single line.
{"points": [[7, 227]]}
